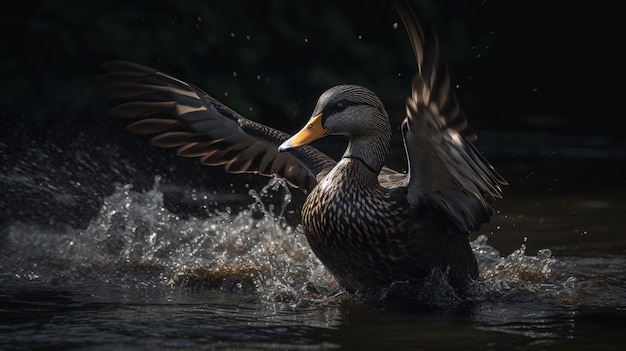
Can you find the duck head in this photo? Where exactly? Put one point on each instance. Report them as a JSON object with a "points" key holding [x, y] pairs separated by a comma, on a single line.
{"points": [[349, 110]]}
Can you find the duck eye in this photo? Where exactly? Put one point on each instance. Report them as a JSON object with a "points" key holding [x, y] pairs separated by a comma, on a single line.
{"points": [[338, 106]]}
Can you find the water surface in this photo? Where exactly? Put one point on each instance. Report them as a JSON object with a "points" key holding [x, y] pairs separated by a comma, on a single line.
{"points": [[236, 272]]}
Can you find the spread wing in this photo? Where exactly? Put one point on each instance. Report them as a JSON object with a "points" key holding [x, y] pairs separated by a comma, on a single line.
{"points": [[182, 116], [445, 169]]}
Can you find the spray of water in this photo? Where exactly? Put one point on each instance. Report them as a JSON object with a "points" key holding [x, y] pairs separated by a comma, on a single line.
{"points": [[134, 239]]}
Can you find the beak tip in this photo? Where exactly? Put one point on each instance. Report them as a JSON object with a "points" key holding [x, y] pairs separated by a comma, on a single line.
{"points": [[284, 147], [313, 130]]}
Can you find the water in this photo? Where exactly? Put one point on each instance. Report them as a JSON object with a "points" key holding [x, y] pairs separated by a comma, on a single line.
{"points": [[237, 273]]}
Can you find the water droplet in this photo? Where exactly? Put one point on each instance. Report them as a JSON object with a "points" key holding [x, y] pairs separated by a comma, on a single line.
{"points": [[232, 34], [395, 25], [570, 283], [258, 77], [306, 40], [360, 37], [225, 93], [248, 37], [544, 254], [234, 74]]}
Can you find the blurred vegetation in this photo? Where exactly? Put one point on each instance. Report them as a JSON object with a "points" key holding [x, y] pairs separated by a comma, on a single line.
{"points": [[267, 59], [523, 66]]}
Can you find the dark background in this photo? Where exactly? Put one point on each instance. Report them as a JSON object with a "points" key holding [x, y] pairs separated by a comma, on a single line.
{"points": [[542, 83]]}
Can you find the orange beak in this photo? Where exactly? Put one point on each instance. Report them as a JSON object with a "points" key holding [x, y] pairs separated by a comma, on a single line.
{"points": [[312, 131]]}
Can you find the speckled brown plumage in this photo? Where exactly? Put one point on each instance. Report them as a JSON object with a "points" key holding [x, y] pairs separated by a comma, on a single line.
{"points": [[369, 236], [370, 225]]}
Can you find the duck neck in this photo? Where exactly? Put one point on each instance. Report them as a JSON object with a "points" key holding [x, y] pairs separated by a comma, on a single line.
{"points": [[371, 147]]}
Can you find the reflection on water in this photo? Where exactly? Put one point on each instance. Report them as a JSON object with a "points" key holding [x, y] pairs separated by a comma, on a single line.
{"points": [[141, 276]]}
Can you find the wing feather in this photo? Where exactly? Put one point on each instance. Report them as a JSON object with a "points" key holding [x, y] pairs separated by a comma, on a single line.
{"points": [[180, 115], [444, 167]]}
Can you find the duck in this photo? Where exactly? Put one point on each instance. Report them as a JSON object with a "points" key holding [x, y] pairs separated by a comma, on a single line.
{"points": [[370, 225]]}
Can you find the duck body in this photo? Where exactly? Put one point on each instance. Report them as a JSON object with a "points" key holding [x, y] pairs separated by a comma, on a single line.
{"points": [[370, 237], [347, 220]]}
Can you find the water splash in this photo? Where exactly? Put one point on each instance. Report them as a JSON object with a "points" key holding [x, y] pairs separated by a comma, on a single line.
{"points": [[135, 235], [135, 239], [519, 275]]}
